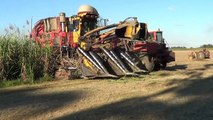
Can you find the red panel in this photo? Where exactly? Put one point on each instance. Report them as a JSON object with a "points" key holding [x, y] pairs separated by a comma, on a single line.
{"points": [[154, 34], [70, 38], [52, 36], [140, 47]]}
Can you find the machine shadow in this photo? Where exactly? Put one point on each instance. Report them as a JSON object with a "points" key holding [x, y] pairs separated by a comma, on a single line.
{"points": [[193, 101], [208, 65], [37, 102], [176, 67]]}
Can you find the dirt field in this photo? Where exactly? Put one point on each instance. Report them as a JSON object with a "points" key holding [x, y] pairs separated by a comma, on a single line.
{"points": [[184, 91]]}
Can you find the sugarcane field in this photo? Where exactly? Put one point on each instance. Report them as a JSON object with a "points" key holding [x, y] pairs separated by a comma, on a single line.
{"points": [[84, 61]]}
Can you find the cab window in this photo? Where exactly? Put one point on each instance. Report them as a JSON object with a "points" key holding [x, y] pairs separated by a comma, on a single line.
{"points": [[88, 25], [74, 25], [159, 37]]}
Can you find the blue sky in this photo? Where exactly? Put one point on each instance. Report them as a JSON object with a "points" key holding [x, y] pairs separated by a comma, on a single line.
{"points": [[184, 22]]}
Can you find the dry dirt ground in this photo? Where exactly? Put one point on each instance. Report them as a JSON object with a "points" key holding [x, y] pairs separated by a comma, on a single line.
{"points": [[184, 91]]}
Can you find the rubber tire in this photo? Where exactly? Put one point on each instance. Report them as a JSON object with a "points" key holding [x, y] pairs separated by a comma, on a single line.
{"points": [[149, 63], [157, 67], [163, 65]]}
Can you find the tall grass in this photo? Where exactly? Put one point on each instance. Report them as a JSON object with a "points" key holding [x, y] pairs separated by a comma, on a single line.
{"points": [[22, 59]]}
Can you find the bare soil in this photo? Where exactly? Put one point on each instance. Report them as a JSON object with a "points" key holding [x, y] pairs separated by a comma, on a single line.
{"points": [[184, 91]]}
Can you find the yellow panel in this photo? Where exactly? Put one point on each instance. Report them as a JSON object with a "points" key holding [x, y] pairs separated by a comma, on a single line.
{"points": [[75, 37], [129, 30], [83, 45], [89, 64]]}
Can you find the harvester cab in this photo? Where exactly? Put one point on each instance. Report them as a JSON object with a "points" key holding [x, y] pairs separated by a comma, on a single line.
{"points": [[157, 36], [83, 22]]}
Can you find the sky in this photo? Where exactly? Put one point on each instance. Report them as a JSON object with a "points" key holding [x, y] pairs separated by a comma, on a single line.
{"points": [[187, 23]]}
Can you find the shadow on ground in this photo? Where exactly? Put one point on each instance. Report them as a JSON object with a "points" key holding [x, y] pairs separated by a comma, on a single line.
{"points": [[33, 102], [208, 65], [193, 101], [176, 67]]}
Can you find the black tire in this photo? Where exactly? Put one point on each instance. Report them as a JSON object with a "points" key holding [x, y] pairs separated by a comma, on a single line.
{"points": [[149, 63], [163, 65], [157, 66]]}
